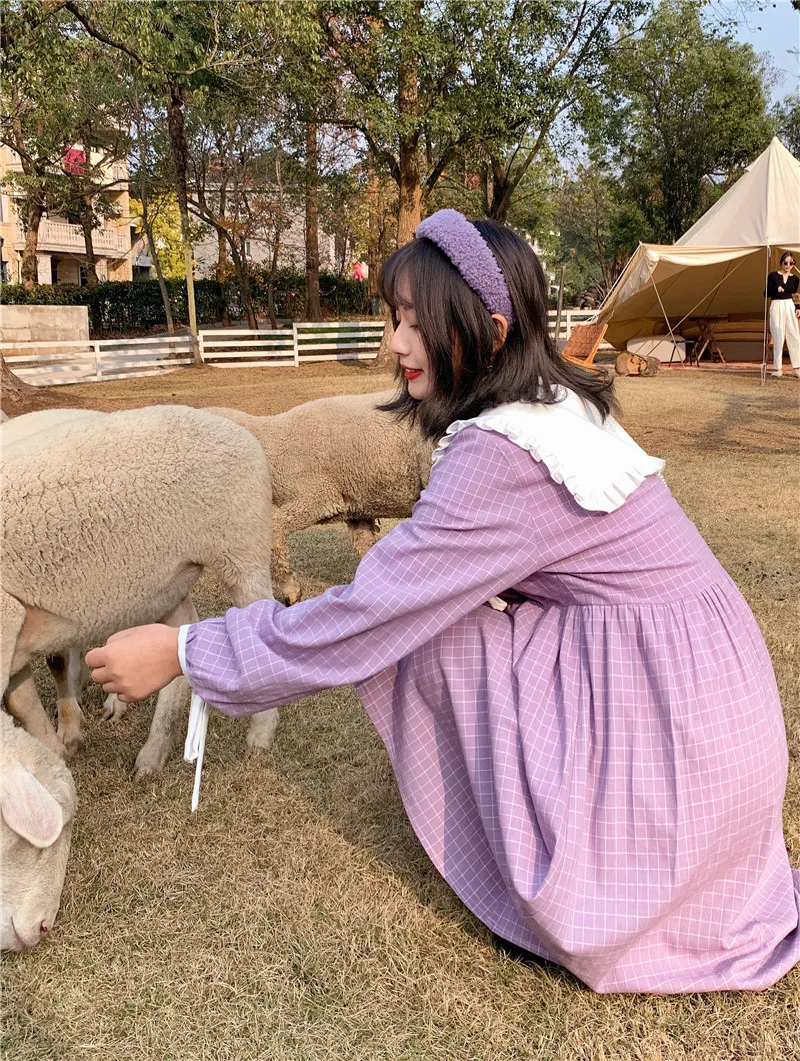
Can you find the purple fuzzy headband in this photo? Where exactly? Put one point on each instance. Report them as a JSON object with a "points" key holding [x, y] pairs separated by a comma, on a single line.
{"points": [[470, 254]]}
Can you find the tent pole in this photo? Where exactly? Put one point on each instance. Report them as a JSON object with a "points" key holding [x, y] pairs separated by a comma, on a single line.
{"points": [[766, 300]]}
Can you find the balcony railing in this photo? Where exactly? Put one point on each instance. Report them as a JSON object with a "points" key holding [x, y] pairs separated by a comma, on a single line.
{"points": [[61, 236]]}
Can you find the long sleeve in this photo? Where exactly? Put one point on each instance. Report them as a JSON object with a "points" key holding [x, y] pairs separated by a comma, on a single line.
{"points": [[775, 280], [472, 535]]}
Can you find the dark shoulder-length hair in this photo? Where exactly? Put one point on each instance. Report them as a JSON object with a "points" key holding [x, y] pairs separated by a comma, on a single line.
{"points": [[459, 336]]}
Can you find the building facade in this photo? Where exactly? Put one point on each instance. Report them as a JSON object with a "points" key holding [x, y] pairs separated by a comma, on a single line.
{"points": [[61, 252], [291, 252]]}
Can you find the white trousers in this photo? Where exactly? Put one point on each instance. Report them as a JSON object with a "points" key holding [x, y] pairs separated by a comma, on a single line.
{"points": [[783, 325]]}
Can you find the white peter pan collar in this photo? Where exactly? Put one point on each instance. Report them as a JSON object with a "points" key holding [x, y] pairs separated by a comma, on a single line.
{"points": [[597, 461]]}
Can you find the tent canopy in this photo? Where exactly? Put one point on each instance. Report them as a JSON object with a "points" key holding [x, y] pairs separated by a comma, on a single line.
{"points": [[719, 267]]}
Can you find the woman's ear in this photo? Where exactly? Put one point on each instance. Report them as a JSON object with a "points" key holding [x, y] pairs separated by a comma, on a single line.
{"points": [[501, 331]]}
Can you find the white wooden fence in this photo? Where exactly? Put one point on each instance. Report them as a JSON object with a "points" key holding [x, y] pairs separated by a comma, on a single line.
{"points": [[238, 348], [336, 341], [80, 361], [48, 364], [569, 318]]}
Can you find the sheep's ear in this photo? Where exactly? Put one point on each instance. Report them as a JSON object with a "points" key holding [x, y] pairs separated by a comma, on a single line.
{"points": [[28, 808]]}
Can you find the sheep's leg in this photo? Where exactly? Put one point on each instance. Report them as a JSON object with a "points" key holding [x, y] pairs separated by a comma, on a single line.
{"points": [[19, 690], [283, 577], [255, 585], [362, 534], [113, 708], [24, 704], [171, 705], [66, 671]]}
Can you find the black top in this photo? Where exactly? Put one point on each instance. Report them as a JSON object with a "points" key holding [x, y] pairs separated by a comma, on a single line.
{"points": [[775, 280]]}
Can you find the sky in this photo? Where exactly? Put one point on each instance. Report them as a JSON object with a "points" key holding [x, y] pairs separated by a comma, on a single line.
{"points": [[775, 29]]}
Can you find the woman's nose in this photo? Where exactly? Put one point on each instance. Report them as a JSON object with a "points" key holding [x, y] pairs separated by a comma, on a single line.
{"points": [[398, 344]]}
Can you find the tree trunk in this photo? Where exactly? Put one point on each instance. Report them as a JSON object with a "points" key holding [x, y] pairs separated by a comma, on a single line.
{"points": [[410, 199], [19, 397], [273, 272], [313, 309], [373, 238], [222, 249], [86, 215], [243, 279], [177, 140], [30, 269], [410, 179], [502, 190], [162, 285]]}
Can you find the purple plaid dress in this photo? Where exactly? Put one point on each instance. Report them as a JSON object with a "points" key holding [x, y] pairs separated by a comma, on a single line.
{"points": [[597, 771]]}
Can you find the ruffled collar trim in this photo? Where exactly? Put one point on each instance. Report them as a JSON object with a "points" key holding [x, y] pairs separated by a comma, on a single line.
{"points": [[596, 459]]}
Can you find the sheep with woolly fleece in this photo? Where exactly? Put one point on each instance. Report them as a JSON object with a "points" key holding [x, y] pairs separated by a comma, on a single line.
{"points": [[110, 519], [337, 458], [23, 431], [37, 803]]}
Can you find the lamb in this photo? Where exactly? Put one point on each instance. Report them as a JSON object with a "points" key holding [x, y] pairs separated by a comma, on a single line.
{"points": [[336, 458], [38, 803], [110, 518]]}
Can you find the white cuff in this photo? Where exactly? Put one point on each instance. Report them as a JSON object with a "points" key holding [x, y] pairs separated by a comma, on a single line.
{"points": [[182, 632]]}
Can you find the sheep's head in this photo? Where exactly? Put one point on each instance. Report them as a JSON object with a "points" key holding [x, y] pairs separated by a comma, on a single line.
{"points": [[37, 801]]}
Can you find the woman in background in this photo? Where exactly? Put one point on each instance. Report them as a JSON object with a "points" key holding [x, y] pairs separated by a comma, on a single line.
{"points": [[783, 314]]}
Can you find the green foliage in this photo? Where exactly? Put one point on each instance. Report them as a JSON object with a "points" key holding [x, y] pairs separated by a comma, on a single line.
{"points": [[787, 118], [136, 307], [591, 222], [166, 223], [130, 307], [687, 105]]}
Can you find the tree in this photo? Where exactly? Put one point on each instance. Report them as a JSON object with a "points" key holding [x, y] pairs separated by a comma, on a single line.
{"points": [[398, 66], [45, 112], [176, 49], [787, 118], [597, 231], [688, 105], [535, 71]]}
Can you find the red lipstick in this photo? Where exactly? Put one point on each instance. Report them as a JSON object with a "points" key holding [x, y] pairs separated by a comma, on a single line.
{"points": [[412, 373]]}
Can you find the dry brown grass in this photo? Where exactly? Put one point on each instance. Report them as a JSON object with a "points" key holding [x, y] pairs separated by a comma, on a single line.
{"points": [[295, 917]]}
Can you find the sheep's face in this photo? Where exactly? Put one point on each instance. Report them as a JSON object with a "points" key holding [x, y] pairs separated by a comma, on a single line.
{"points": [[35, 834]]}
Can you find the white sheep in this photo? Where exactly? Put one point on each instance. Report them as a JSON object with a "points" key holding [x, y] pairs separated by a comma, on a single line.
{"points": [[109, 520], [37, 801], [25, 431], [337, 458]]}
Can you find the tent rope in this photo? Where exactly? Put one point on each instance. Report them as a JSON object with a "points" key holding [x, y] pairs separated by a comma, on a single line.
{"points": [[669, 326], [727, 276]]}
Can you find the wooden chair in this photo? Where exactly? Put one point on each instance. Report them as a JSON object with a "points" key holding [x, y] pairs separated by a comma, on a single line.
{"points": [[584, 343]]}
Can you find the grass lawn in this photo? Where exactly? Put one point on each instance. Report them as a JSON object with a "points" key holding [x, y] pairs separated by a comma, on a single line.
{"points": [[295, 917]]}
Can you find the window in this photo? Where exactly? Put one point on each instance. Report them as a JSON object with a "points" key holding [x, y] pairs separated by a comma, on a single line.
{"points": [[54, 270], [247, 251], [83, 278]]}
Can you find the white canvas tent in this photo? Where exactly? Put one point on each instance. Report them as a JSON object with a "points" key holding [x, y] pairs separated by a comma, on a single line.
{"points": [[718, 269]]}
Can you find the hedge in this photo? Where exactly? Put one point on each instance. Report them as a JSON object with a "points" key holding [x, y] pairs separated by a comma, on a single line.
{"points": [[136, 306]]}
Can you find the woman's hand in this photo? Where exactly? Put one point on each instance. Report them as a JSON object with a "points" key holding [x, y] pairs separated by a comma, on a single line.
{"points": [[137, 662]]}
